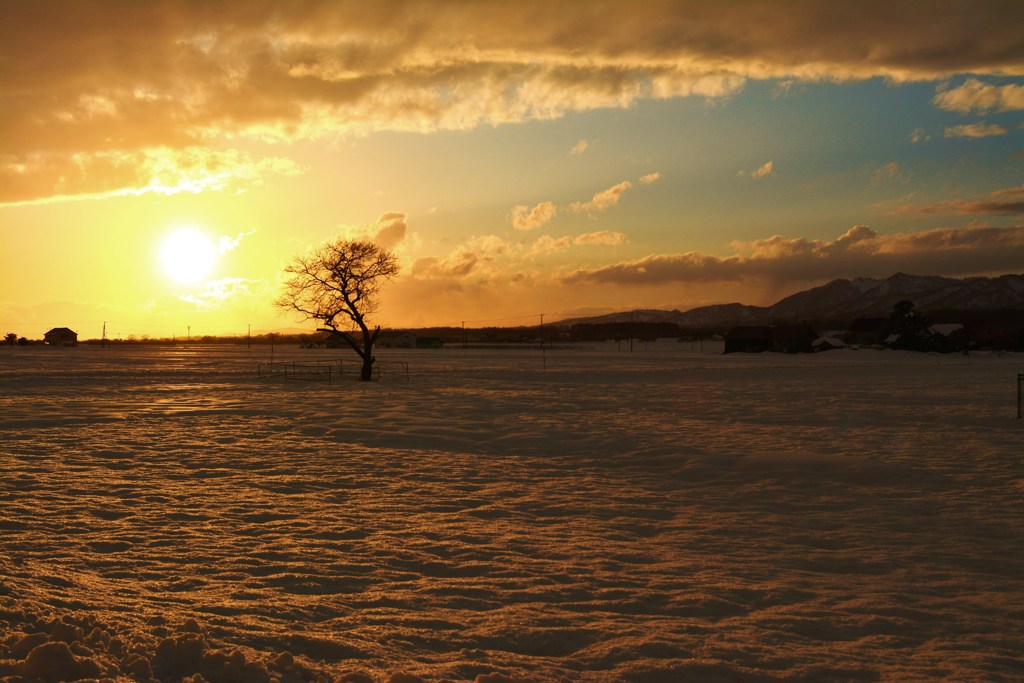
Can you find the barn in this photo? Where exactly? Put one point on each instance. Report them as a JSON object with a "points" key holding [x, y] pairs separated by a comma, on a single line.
{"points": [[61, 336]]}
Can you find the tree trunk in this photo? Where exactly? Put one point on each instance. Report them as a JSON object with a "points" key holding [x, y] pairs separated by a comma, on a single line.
{"points": [[366, 374], [365, 351]]}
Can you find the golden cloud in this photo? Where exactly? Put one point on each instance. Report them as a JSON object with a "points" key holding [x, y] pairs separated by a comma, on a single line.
{"points": [[1005, 202], [546, 244], [975, 130], [764, 170], [36, 178], [475, 258], [217, 292], [525, 218], [603, 200], [82, 78], [389, 231], [609, 238], [858, 252], [975, 95], [890, 171]]}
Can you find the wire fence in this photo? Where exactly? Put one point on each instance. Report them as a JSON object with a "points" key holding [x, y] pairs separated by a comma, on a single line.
{"points": [[329, 370]]}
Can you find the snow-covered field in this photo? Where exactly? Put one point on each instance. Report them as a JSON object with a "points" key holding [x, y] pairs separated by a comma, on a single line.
{"points": [[663, 515]]}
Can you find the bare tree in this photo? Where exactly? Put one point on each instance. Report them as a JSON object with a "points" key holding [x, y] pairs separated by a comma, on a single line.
{"points": [[338, 283]]}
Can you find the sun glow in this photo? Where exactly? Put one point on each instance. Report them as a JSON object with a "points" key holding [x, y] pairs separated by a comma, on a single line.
{"points": [[187, 255]]}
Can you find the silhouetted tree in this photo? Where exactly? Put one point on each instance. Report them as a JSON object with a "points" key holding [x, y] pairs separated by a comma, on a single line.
{"points": [[11, 338], [914, 329], [339, 283]]}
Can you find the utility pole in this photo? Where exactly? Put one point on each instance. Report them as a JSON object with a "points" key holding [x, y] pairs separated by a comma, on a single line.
{"points": [[189, 333], [104, 342]]}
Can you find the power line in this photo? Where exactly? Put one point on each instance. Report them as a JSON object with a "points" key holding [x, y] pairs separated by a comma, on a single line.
{"points": [[526, 316]]}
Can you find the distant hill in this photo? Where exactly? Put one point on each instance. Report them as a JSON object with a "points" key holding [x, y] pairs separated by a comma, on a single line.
{"points": [[845, 300]]}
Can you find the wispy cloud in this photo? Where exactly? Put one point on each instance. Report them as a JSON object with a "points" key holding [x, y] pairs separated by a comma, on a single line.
{"points": [[388, 231], [476, 259], [579, 148], [765, 170], [50, 177], [546, 244], [783, 88], [603, 200], [975, 130], [858, 252], [1006, 202], [491, 258], [918, 135], [226, 244], [608, 238], [601, 238], [975, 95], [217, 292], [391, 229], [526, 218], [890, 172]]}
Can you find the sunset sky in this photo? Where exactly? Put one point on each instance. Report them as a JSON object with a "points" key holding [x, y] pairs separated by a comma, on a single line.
{"points": [[161, 162]]}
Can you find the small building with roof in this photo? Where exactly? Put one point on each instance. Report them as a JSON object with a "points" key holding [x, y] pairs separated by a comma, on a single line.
{"points": [[61, 336], [397, 340]]}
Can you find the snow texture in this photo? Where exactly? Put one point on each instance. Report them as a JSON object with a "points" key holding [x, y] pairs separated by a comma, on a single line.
{"points": [[576, 515]]}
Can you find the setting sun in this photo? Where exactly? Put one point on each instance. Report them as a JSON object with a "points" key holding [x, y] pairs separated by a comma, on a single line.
{"points": [[187, 255]]}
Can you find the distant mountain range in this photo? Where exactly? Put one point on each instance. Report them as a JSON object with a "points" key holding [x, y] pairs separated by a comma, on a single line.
{"points": [[847, 299]]}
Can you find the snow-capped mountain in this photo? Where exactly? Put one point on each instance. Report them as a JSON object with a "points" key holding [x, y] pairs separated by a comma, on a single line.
{"points": [[847, 299]]}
